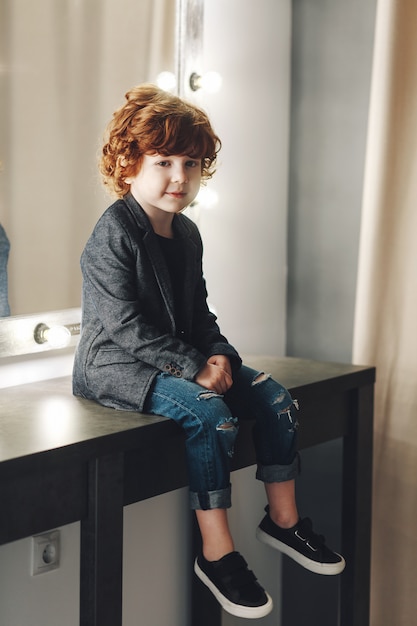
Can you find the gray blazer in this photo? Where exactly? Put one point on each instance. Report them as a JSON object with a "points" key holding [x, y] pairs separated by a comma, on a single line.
{"points": [[128, 326]]}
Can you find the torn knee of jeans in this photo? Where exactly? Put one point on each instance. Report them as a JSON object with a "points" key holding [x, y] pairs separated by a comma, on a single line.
{"points": [[227, 424], [260, 378], [293, 423], [207, 395], [228, 428], [281, 397]]}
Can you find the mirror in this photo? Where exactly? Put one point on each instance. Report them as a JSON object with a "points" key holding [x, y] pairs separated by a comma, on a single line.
{"points": [[64, 68]]}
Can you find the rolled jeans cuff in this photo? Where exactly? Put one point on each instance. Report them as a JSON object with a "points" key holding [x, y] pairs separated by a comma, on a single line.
{"points": [[278, 473], [219, 499]]}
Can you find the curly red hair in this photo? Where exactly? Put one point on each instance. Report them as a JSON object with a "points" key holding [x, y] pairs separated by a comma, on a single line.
{"points": [[153, 120]]}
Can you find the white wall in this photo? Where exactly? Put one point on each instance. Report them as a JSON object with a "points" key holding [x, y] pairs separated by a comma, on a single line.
{"points": [[245, 235], [249, 43], [330, 88], [156, 556], [46, 599]]}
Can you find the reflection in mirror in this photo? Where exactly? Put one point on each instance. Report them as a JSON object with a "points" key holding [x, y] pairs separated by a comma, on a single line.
{"points": [[4, 258], [63, 68], [40, 332]]}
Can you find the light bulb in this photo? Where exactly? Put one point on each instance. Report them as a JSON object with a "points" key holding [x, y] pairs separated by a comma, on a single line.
{"points": [[166, 81], [210, 82], [56, 336], [207, 198]]}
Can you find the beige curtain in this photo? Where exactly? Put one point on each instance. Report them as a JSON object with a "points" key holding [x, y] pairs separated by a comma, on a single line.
{"points": [[386, 312]]}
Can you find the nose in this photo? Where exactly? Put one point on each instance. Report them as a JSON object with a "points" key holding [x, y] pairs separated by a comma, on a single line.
{"points": [[179, 175]]}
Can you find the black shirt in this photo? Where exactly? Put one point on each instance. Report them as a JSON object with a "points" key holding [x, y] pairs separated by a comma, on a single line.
{"points": [[174, 256]]}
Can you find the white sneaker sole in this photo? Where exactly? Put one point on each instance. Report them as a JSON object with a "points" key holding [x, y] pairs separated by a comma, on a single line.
{"points": [[326, 569], [249, 612]]}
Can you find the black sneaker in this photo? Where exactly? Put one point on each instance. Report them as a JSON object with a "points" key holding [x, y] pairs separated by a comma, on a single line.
{"points": [[234, 586], [301, 544]]}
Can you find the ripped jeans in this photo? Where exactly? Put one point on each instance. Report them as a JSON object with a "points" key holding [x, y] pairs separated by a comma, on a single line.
{"points": [[210, 423]]}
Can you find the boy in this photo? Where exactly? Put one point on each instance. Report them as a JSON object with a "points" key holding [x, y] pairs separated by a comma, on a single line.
{"points": [[149, 342]]}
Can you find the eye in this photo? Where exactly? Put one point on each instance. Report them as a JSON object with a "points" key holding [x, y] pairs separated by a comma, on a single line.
{"points": [[163, 163], [192, 163]]}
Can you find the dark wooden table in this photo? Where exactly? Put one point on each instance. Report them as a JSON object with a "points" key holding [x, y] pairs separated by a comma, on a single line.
{"points": [[89, 469]]}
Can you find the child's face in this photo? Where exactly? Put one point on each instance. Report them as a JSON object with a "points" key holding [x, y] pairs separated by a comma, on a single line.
{"points": [[166, 183]]}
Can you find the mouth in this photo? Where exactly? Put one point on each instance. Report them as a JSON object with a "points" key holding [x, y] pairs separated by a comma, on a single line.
{"points": [[177, 194]]}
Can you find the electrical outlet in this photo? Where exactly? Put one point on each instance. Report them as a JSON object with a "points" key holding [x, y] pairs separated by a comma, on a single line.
{"points": [[45, 552]]}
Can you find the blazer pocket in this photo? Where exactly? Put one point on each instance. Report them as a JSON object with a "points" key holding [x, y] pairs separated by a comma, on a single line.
{"points": [[113, 356]]}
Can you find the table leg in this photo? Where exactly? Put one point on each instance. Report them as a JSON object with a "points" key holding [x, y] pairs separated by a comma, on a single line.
{"points": [[357, 511], [102, 544]]}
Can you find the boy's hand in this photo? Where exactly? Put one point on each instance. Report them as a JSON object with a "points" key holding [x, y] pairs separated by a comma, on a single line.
{"points": [[216, 374], [221, 361]]}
